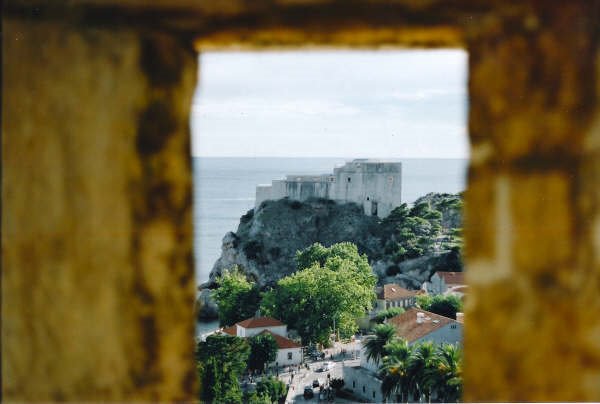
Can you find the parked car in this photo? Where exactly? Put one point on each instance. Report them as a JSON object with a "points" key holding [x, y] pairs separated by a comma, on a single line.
{"points": [[327, 366], [308, 392], [316, 383]]}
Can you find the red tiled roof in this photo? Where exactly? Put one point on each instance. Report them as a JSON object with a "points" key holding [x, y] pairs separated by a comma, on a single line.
{"points": [[452, 278], [391, 291], [407, 327], [257, 322], [230, 330], [282, 342]]}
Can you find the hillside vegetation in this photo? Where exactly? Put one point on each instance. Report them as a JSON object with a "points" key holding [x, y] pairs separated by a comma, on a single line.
{"points": [[406, 247]]}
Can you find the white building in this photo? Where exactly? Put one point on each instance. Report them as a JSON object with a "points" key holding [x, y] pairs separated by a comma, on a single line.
{"points": [[393, 295], [289, 352], [388, 296], [442, 281], [414, 325], [373, 184]]}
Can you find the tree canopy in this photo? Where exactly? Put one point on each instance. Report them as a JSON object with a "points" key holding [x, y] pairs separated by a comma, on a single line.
{"points": [[263, 350], [422, 370], [444, 305], [272, 388], [332, 286], [236, 297], [376, 343], [387, 313], [221, 360], [432, 224]]}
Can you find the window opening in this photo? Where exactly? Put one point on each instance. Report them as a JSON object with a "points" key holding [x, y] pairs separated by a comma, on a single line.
{"points": [[253, 125]]}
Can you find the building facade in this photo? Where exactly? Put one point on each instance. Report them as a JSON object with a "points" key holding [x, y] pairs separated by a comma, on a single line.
{"points": [[393, 295], [414, 325], [289, 352], [375, 185], [442, 281]]}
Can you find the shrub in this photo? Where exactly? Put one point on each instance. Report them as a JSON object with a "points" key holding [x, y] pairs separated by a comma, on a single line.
{"points": [[389, 313], [274, 388]]}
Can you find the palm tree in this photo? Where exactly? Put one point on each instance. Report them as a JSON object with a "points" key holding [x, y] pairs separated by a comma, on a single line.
{"points": [[448, 375], [375, 344], [395, 369], [422, 363]]}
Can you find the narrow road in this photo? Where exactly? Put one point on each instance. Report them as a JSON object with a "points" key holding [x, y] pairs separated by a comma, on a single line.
{"points": [[307, 376]]}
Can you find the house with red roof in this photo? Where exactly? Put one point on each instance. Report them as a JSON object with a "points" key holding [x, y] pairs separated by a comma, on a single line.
{"points": [[417, 325], [388, 296], [414, 325], [289, 352], [443, 281], [393, 295]]}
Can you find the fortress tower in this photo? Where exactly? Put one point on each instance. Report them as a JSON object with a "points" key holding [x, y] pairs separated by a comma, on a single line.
{"points": [[375, 185]]}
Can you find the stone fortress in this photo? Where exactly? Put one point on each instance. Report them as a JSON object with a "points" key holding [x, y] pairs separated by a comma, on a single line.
{"points": [[375, 185]]}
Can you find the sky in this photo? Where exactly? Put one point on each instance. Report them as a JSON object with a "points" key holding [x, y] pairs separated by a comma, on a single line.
{"points": [[371, 104]]}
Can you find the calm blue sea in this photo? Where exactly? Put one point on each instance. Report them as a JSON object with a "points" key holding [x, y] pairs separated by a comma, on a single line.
{"points": [[225, 189]]}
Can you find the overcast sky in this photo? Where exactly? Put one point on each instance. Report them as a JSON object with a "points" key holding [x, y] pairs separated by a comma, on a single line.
{"points": [[386, 104]]}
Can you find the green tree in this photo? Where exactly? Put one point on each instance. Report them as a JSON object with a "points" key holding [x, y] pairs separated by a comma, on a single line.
{"points": [[251, 397], [221, 360], [263, 350], [413, 232], [334, 290], [333, 256], [376, 343], [271, 387], [395, 218], [388, 313], [237, 298], [421, 370], [444, 305], [422, 364], [448, 375], [395, 370]]}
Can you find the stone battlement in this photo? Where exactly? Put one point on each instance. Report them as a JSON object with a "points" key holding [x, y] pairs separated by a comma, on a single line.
{"points": [[374, 184]]}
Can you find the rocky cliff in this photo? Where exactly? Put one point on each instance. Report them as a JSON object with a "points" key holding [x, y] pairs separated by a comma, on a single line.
{"points": [[267, 239]]}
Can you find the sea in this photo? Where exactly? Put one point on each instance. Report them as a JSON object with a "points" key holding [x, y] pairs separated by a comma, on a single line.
{"points": [[224, 190]]}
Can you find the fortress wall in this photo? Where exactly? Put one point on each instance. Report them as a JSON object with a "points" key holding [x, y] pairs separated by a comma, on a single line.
{"points": [[263, 193], [376, 189], [349, 191], [97, 276], [303, 190], [381, 182], [278, 189]]}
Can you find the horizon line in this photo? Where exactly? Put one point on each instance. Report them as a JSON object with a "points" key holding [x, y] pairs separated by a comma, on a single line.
{"points": [[338, 157]]}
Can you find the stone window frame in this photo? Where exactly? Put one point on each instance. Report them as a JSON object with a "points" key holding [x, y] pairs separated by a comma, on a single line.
{"points": [[533, 127]]}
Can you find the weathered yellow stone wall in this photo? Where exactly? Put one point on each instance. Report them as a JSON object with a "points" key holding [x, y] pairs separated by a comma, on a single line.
{"points": [[97, 282], [533, 205], [97, 278]]}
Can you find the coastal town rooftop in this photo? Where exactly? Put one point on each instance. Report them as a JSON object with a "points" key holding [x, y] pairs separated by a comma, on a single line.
{"points": [[415, 323], [392, 291]]}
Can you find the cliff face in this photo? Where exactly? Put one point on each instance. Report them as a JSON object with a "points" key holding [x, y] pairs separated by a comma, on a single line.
{"points": [[266, 241]]}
